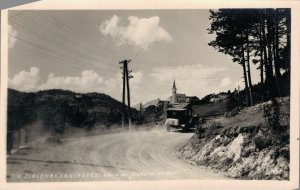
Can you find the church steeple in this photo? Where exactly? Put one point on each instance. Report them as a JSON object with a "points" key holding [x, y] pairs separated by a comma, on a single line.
{"points": [[174, 95], [174, 86]]}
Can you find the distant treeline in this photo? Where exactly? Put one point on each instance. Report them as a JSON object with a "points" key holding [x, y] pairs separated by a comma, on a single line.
{"points": [[58, 109], [239, 98]]}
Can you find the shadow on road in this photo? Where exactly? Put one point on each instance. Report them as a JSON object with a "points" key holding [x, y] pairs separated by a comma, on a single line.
{"points": [[13, 160], [192, 130]]}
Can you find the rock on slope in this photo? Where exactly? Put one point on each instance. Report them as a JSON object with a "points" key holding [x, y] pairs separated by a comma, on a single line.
{"points": [[254, 144]]}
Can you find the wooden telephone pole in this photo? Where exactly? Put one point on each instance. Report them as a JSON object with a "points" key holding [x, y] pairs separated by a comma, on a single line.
{"points": [[126, 76]]}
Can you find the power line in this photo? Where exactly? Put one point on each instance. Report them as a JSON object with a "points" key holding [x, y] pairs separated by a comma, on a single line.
{"points": [[72, 40], [17, 14], [78, 35], [50, 56], [66, 54], [59, 41]]}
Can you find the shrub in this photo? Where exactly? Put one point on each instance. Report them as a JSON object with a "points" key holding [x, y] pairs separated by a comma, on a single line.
{"points": [[232, 113], [199, 130], [261, 142], [53, 140], [216, 125], [59, 129]]}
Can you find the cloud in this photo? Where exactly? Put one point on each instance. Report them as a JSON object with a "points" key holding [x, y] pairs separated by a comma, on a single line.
{"points": [[25, 81], [239, 83], [140, 32], [12, 33], [138, 77], [110, 27], [87, 81], [225, 82], [197, 71]]}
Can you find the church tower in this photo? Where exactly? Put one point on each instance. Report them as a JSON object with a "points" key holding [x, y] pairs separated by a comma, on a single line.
{"points": [[174, 98]]}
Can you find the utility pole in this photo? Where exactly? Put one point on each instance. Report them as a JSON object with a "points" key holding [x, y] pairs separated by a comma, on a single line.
{"points": [[238, 97], [123, 95], [126, 78], [141, 108], [128, 94]]}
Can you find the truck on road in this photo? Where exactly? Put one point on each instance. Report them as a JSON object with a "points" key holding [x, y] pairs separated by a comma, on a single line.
{"points": [[181, 117]]}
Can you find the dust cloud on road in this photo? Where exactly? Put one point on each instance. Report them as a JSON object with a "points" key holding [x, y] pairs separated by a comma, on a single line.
{"points": [[135, 155]]}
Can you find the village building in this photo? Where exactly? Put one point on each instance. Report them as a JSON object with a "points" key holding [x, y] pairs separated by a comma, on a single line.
{"points": [[181, 98], [218, 97]]}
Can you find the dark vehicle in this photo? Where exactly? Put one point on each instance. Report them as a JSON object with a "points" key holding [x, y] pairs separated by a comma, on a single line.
{"points": [[181, 118]]}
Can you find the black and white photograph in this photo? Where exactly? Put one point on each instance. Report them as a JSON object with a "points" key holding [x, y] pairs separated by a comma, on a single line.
{"points": [[149, 95]]}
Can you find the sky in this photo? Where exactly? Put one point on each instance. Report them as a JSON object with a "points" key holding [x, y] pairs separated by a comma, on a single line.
{"points": [[80, 50]]}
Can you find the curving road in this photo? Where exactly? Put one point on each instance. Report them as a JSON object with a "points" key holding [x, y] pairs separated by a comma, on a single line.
{"points": [[142, 155]]}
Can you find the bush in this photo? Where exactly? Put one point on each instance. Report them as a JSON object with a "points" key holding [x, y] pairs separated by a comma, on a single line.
{"points": [[59, 129], [232, 113], [199, 129], [53, 140], [216, 125], [285, 152], [261, 142]]}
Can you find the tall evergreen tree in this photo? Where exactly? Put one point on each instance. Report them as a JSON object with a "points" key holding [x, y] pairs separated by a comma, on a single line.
{"points": [[255, 36]]}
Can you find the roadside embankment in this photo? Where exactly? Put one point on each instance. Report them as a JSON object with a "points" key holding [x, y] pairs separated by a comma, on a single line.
{"points": [[254, 144]]}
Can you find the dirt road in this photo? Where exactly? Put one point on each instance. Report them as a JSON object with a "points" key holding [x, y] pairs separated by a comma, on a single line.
{"points": [[142, 155]]}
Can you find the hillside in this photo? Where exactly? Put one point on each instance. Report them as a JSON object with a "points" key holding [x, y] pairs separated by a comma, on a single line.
{"points": [[213, 109], [254, 144], [150, 103], [58, 109]]}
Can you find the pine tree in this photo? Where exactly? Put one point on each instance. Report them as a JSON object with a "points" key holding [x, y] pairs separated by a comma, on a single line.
{"points": [[255, 36]]}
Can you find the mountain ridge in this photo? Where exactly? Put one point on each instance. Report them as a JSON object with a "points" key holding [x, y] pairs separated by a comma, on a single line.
{"points": [[59, 108]]}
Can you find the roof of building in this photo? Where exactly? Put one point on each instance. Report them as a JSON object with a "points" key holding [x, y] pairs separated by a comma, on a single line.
{"points": [[192, 97], [180, 95], [178, 109], [180, 105]]}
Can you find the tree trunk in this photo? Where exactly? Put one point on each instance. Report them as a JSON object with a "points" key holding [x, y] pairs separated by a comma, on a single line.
{"points": [[245, 76], [276, 54], [261, 49], [261, 56], [270, 57], [265, 55], [270, 73], [276, 57], [248, 69]]}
